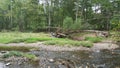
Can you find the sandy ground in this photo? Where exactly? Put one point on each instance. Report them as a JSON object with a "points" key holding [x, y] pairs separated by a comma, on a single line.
{"points": [[97, 46]]}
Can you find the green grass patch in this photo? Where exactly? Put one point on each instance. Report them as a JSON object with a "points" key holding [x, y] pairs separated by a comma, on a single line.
{"points": [[94, 39], [12, 53], [68, 42], [16, 37], [19, 54], [31, 40], [29, 56], [16, 48]]}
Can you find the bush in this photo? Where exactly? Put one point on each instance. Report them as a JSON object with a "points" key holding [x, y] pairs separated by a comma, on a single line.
{"points": [[115, 23], [77, 25], [67, 23], [116, 36]]}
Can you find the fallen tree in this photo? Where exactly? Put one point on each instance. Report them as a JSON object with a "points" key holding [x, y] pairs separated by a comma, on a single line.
{"points": [[60, 33]]}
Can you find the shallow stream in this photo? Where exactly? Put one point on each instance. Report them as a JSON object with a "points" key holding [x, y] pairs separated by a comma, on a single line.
{"points": [[72, 59]]}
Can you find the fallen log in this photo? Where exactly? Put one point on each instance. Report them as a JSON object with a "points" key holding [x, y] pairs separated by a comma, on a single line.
{"points": [[58, 35]]}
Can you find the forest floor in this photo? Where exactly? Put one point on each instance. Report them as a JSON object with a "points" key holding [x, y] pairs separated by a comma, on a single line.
{"points": [[106, 44]]}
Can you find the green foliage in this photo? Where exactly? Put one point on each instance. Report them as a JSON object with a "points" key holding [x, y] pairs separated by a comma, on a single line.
{"points": [[115, 24], [93, 39], [77, 25], [115, 36], [67, 23], [29, 15]]}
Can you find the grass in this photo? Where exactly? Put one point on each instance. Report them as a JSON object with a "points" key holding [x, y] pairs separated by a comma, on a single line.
{"points": [[19, 54], [94, 39], [17, 37], [68, 42], [16, 48]]}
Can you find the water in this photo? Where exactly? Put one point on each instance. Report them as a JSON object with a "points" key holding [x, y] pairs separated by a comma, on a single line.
{"points": [[98, 59], [72, 59]]}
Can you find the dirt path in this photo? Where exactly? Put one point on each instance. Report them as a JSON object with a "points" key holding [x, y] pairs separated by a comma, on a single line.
{"points": [[97, 46]]}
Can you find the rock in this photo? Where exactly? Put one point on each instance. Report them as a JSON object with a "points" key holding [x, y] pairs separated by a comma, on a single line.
{"points": [[1, 55], [97, 51], [73, 55], [99, 66], [91, 57], [20, 63], [80, 67], [62, 66], [86, 66], [7, 64], [49, 67], [51, 60]]}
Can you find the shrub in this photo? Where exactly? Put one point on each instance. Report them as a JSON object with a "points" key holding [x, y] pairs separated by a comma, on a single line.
{"points": [[77, 25], [67, 23]]}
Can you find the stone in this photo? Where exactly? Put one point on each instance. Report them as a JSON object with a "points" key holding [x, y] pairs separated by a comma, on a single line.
{"points": [[51, 60], [7, 64]]}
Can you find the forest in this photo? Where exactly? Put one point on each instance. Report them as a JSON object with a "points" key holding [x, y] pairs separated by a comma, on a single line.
{"points": [[43, 15], [59, 33]]}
